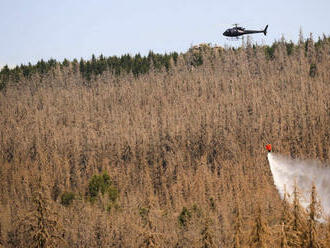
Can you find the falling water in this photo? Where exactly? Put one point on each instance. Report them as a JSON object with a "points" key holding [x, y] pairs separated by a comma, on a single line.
{"points": [[287, 171]]}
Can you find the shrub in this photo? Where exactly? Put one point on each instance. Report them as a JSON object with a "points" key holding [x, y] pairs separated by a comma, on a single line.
{"points": [[144, 212], [112, 205], [94, 186], [67, 198], [184, 217], [102, 183], [113, 193], [105, 183]]}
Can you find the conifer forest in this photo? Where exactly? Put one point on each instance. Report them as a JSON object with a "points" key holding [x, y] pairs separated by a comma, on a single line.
{"points": [[163, 150]]}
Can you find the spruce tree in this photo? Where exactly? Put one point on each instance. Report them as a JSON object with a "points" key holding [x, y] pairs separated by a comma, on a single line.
{"points": [[237, 236], [82, 66], [297, 226], [314, 213], [327, 235], [2, 242], [286, 219], [207, 237], [259, 237], [39, 226], [284, 242]]}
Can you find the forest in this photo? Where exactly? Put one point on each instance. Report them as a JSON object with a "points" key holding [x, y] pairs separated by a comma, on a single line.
{"points": [[163, 150]]}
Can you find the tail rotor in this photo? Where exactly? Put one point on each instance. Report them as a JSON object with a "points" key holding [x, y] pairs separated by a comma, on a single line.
{"points": [[265, 30]]}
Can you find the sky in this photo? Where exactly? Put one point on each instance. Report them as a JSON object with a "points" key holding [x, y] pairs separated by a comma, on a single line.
{"points": [[32, 30]]}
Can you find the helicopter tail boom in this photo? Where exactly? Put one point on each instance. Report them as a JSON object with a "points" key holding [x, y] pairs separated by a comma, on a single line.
{"points": [[265, 30]]}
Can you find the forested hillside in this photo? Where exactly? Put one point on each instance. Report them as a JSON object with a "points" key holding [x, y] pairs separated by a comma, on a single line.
{"points": [[163, 150]]}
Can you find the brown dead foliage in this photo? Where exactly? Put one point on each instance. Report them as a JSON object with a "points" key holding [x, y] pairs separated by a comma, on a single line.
{"points": [[192, 138]]}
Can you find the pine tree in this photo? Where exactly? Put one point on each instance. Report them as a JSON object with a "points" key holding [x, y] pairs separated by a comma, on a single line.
{"points": [[82, 66], [301, 37], [148, 241], [2, 242], [297, 228], [207, 237], [93, 65], [310, 49], [314, 213], [259, 235], [237, 239], [286, 219], [40, 227], [327, 235], [284, 242], [286, 215], [4, 76]]}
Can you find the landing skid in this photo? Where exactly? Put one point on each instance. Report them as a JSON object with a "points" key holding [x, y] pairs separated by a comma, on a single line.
{"points": [[234, 38]]}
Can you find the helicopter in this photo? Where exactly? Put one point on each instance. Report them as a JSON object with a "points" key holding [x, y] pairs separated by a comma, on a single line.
{"points": [[238, 31]]}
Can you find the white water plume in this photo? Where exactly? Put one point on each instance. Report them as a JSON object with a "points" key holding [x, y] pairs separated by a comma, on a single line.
{"points": [[287, 171]]}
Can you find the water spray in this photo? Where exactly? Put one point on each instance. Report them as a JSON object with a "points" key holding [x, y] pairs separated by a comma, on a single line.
{"points": [[288, 172]]}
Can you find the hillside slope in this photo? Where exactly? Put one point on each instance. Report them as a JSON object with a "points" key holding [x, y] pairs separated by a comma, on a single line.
{"points": [[182, 142]]}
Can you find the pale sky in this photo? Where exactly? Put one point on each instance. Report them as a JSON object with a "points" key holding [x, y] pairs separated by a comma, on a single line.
{"points": [[42, 29]]}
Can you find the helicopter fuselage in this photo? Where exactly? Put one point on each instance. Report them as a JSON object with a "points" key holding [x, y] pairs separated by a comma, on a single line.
{"points": [[238, 31]]}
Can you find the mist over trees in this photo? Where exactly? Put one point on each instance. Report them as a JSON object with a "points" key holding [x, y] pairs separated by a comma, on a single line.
{"points": [[163, 150]]}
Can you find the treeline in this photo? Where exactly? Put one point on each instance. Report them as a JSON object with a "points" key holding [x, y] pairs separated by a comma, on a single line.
{"points": [[95, 66], [290, 46], [136, 64]]}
